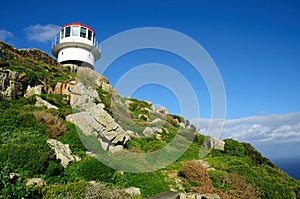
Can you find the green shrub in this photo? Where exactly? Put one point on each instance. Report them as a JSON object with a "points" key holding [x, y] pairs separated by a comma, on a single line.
{"points": [[76, 190], [255, 156], [149, 183], [72, 138], [233, 148], [89, 168], [14, 188], [216, 179]]}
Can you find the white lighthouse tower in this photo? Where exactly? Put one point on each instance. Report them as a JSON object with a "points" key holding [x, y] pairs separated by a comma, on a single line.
{"points": [[77, 45]]}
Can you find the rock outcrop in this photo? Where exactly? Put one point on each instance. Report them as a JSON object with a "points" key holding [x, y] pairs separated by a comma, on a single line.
{"points": [[39, 182], [151, 130], [8, 83], [41, 102], [133, 191], [62, 152], [214, 143], [180, 195], [35, 90], [92, 119]]}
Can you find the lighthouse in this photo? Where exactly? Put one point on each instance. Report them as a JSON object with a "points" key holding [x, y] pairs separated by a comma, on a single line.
{"points": [[77, 45]]}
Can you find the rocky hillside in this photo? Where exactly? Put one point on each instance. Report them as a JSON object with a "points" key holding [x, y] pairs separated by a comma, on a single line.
{"points": [[65, 132]]}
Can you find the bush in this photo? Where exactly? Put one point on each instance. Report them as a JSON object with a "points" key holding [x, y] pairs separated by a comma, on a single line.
{"points": [[89, 168], [193, 172], [72, 138], [233, 148], [149, 183], [255, 156], [55, 126], [14, 188]]}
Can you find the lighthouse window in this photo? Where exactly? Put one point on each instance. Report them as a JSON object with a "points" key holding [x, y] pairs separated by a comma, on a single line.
{"points": [[62, 33], [75, 30], [90, 35], [83, 32], [68, 31]]}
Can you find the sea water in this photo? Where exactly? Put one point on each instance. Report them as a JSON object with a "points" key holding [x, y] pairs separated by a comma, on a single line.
{"points": [[289, 165]]}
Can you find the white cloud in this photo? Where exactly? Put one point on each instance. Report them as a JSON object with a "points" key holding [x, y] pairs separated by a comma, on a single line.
{"points": [[41, 33], [279, 128], [5, 35]]}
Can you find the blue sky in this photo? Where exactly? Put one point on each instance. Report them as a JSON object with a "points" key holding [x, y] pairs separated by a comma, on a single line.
{"points": [[255, 45]]}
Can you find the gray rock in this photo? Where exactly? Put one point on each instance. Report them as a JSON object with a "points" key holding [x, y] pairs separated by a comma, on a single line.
{"points": [[39, 182], [83, 98], [8, 83], [168, 195], [133, 191], [157, 120], [162, 110], [179, 195], [205, 165], [208, 196], [181, 124], [214, 143], [36, 90], [151, 130], [86, 74], [62, 152], [41, 102], [14, 176], [94, 120]]}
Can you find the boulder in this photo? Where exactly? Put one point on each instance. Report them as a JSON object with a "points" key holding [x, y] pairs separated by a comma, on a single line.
{"points": [[41, 102], [205, 165], [39, 182], [62, 152], [86, 74], [14, 176], [83, 98], [133, 191], [179, 195], [162, 110], [36, 90], [144, 117], [151, 130], [9, 84], [214, 143], [94, 120], [158, 136], [181, 124]]}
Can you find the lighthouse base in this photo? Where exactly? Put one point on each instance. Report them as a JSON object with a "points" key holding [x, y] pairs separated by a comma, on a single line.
{"points": [[77, 63]]}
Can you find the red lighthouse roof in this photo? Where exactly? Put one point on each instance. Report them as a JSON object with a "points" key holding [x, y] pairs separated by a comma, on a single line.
{"points": [[77, 24]]}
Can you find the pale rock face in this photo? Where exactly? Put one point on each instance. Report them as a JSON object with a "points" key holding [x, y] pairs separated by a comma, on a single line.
{"points": [[8, 83], [133, 191], [162, 110], [36, 90], [93, 76], [39, 182], [205, 165], [41, 102], [214, 143], [83, 98], [151, 130], [179, 195], [14, 176], [62, 152], [58, 88], [94, 120], [158, 136], [181, 124]]}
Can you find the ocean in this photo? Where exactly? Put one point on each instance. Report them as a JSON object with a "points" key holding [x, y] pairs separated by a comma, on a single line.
{"points": [[289, 165]]}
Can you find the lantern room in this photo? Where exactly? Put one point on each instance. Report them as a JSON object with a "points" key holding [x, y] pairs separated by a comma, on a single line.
{"points": [[77, 45]]}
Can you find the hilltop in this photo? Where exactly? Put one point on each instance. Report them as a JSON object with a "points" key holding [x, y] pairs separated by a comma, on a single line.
{"points": [[58, 121]]}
